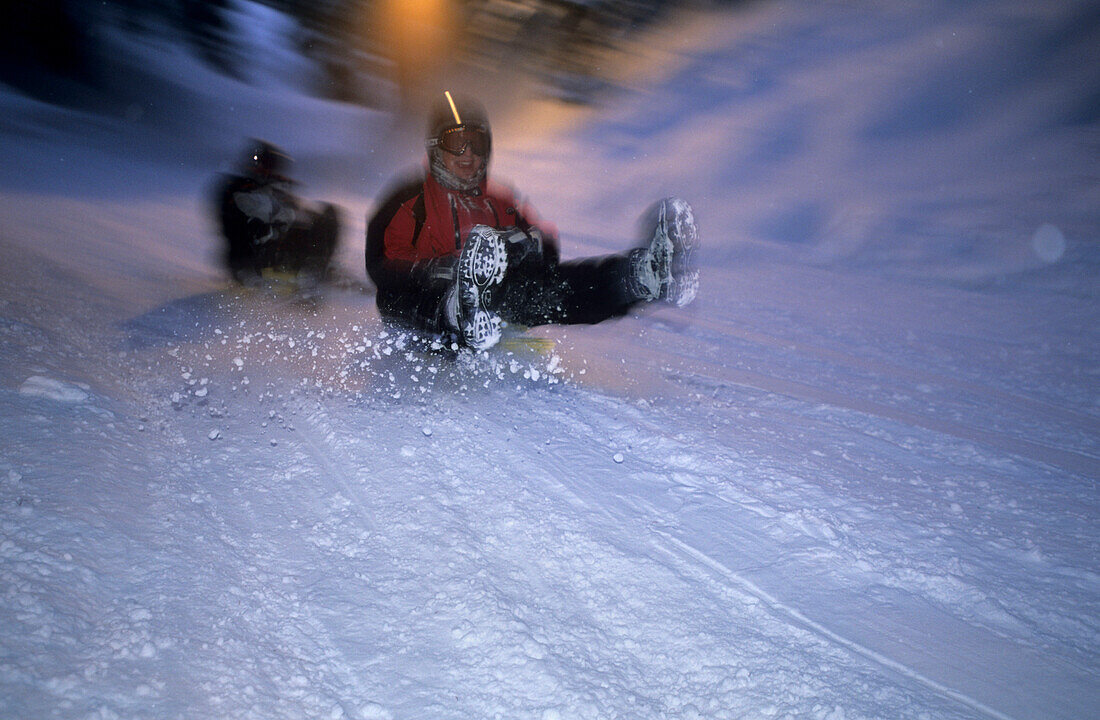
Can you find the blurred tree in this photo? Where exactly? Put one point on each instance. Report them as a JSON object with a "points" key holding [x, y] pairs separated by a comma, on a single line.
{"points": [[332, 35], [51, 48], [206, 26], [43, 44]]}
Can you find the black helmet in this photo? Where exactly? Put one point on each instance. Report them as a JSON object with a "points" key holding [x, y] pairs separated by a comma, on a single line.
{"points": [[262, 160], [453, 111], [458, 124]]}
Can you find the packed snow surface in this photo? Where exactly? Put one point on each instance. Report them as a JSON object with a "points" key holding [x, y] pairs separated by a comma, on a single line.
{"points": [[857, 478]]}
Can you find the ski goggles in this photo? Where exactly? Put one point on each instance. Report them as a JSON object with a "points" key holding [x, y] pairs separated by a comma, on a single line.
{"points": [[456, 140]]}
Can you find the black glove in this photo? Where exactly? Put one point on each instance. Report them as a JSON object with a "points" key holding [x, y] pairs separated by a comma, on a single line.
{"points": [[258, 231], [523, 245]]}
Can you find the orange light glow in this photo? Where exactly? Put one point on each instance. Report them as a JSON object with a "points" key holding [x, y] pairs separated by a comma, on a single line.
{"points": [[419, 36]]}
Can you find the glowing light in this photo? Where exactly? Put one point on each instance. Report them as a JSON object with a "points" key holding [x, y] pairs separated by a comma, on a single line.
{"points": [[419, 36], [458, 120]]}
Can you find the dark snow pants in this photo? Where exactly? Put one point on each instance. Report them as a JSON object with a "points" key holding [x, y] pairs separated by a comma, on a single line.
{"points": [[536, 291]]}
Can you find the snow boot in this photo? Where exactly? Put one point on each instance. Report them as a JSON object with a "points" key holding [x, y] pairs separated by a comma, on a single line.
{"points": [[666, 269], [481, 268]]}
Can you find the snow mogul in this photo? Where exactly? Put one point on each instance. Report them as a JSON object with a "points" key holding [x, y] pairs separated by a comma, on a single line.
{"points": [[270, 233], [455, 254]]}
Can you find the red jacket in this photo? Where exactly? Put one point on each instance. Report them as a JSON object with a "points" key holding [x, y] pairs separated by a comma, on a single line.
{"points": [[423, 220]]}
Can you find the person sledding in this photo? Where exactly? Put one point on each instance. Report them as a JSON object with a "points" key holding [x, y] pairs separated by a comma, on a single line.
{"points": [[269, 231], [455, 254]]}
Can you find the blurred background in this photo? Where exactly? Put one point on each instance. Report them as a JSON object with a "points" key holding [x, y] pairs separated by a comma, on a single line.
{"points": [[927, 137], [375, 53]]}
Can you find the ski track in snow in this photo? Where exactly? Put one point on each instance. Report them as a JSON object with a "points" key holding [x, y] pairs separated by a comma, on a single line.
{"points": [[857, 479], [601, 572], [797, 618], [382, 470]]}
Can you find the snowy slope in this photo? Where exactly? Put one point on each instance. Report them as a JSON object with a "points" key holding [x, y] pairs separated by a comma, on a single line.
{"points": [[856, 479]]}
